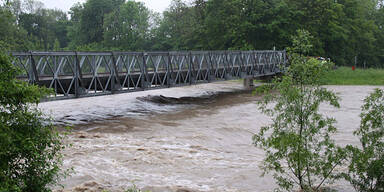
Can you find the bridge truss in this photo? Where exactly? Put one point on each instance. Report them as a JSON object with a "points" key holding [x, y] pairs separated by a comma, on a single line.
{"points": [[82, 74]]}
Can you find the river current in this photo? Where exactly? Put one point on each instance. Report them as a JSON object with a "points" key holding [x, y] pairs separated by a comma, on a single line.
{"points": [[196, 138]]}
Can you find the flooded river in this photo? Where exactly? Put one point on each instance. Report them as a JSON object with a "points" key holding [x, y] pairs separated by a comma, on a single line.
{"points": [[195, 138]]}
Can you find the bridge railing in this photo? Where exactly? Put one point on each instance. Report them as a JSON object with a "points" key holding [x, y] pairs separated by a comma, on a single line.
{"points": [[79, 74]]}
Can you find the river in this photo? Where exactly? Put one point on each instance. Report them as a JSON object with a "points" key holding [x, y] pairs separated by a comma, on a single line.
{"points": [[196, 138]]}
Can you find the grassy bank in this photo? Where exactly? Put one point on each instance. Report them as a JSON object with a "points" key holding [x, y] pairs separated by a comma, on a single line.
{"points": [[345, 76]]}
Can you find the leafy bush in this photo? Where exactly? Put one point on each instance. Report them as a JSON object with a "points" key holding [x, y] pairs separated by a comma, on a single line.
{"points": [[366, 171], [299, 150], [29, 145]]}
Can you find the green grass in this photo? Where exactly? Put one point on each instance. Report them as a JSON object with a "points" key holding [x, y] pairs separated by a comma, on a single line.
{"points": [[345, 76]]}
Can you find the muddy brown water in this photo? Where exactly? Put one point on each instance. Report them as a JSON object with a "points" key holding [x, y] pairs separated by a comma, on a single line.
{"points": [[179, 139]]}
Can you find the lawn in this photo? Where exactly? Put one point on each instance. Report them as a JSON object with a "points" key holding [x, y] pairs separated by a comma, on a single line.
{"points": [[345, 76]]}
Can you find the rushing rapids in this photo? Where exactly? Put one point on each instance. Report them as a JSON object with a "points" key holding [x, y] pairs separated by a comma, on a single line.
{"points": [[194, 138]]}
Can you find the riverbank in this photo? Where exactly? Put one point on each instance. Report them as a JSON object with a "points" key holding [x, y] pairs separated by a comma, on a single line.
{"points": [[346, 76]]}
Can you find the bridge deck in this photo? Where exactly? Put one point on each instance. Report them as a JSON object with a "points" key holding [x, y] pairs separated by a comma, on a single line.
{"points": [[81, 74]]}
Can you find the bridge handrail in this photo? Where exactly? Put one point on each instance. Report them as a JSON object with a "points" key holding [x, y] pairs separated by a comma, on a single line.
{"points": [[109, 53]]}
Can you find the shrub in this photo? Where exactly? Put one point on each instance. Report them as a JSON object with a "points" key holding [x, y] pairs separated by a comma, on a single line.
{"points": [[366, 170], [29, 145], [299, 150]]}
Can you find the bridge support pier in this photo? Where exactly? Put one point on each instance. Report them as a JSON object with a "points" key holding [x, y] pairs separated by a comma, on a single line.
{"points": [[248, 83]]}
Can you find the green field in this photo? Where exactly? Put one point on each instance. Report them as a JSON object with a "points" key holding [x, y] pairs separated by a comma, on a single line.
{"points": [[345, 76]]}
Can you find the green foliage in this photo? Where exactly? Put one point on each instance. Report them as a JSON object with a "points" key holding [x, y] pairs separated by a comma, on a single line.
{"points": [[127, 27], [11, 37], [301, 43], [29, 145], [44, 27], [92, 18], [89, 47], [298, 145], [345, 29], [181, 28], [242, 24], [74, 26], [366, 169]]}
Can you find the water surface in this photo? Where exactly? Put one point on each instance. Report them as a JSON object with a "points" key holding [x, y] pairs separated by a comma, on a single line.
{"points": [[194, 138]]}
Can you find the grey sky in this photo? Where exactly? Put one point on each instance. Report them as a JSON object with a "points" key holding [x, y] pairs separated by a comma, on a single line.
{"points": [[156, 5]]}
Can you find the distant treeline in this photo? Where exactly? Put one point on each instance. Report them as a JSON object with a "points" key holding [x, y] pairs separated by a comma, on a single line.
{"points": [[345, 30]]}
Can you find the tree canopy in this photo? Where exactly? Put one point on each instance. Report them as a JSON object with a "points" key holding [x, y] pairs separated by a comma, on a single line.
{"points": [[346, 31]]}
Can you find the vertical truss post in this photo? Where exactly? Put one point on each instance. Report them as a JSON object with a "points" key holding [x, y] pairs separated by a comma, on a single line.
{"points": [[168, 70], [76, 67], [114, 73], [209, 66], [226, 65], [144, 72], [55, 75], [214, 65], [190, 68], [112, 67], [255, 63], [243, 67], [78, 76], [271, 63], [34, 76]]}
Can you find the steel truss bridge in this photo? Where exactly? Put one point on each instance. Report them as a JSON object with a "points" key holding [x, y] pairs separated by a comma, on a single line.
{"points": [[82, 74]]}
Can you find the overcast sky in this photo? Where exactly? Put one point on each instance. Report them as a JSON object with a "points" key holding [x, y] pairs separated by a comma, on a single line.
{"points": [[156, 5]]}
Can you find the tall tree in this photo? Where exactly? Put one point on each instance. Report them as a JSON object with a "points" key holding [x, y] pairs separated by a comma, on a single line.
{"points": [[359, 22], [174, 27], [92, 19], [127, 27], [11, 36], [379, 44], [46, 26], [73, 27], [244, 24]]}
